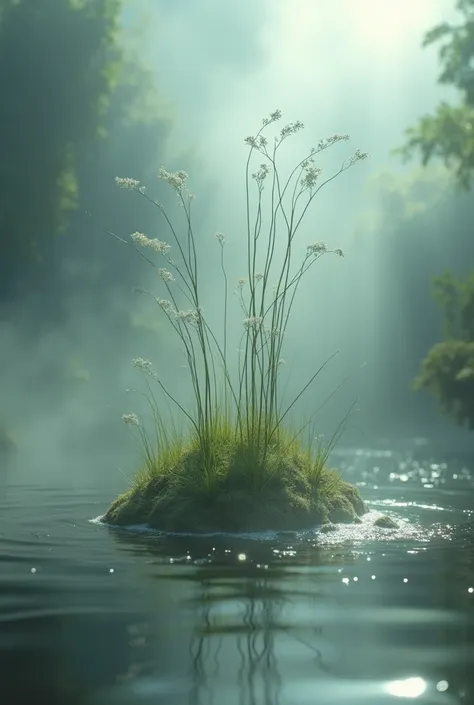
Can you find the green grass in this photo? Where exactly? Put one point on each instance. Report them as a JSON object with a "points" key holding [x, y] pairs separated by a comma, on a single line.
{"points": [[236, 486], [236, 465]]}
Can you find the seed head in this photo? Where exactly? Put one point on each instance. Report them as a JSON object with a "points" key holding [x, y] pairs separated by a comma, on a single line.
{"points": [[166, 305], [191, 316], [176, 179], [143, 365], [290, 129], [318, 248], [253, 322], [127, 182], [276, 115], [131, 419], [166, 275], [310, 177], [251, 141], [158, 245], [358, 156]]}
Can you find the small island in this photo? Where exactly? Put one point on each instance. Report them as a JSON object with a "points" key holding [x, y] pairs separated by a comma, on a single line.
{"points": [[291, 492], [240, 464]]}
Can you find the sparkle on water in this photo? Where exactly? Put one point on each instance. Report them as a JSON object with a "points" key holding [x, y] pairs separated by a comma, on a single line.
{"points": [[376, 583]]}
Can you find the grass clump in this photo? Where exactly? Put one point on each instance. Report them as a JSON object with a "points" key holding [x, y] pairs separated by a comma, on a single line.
{"points": [[244, 488], [237, 465]]}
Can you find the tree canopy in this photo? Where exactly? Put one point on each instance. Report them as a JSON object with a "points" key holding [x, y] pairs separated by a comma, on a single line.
{"points": [[449, 132], [448, 369], [59, 62]]}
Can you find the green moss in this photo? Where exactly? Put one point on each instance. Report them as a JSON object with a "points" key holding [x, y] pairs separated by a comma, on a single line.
{"points": [[243, 490]]}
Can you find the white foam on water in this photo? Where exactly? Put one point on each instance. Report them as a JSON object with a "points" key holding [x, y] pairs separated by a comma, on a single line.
{"points": [[146, 529], [407, 530]]}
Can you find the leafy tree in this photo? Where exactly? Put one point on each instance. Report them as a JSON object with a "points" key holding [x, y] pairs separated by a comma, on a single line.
{"points": [[59, 62], [449, 132], [448, 369]]}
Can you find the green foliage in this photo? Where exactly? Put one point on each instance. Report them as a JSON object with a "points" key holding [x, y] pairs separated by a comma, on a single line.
{"points": [[448, 372], [449, 133], [456, 298], [59, 63], [448, 369], [398, 199]]}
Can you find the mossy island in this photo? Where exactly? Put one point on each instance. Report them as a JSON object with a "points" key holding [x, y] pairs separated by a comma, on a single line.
{"points": [[239, 464], [286, 490]]}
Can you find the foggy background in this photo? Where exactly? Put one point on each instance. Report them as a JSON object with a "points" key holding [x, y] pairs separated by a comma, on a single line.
{"points": [[200, 76]]}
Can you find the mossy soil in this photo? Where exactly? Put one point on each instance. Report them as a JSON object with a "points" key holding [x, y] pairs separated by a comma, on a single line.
{"points": [[286, 497]]}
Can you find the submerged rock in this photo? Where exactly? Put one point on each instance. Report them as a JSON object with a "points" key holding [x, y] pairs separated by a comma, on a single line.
{"points": [[386, 522], [287, 534], [328, 527]]}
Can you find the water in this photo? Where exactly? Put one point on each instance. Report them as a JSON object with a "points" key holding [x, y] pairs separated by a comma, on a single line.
{"points": [[93, 615]]}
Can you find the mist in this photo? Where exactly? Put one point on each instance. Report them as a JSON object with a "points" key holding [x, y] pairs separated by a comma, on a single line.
{"points": [[210, 71]]}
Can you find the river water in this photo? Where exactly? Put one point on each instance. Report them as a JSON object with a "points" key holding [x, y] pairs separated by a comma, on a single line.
{"points": [[92, 615]]}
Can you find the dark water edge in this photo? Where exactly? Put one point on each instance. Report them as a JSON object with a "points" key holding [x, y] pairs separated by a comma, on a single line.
{"points": [[94, 615]]}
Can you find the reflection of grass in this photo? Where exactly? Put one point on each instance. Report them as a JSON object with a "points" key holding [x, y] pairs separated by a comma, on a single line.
{"points": [[237, 467]]}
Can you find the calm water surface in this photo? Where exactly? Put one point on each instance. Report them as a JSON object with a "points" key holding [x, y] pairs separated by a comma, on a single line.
{"points": [[94, 615]]}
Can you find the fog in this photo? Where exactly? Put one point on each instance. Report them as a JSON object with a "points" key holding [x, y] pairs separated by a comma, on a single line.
{"points": [[216, 69]]}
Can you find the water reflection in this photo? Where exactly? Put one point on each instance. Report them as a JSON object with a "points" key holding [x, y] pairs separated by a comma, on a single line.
{"points": [[94, 616], [284, 622]]}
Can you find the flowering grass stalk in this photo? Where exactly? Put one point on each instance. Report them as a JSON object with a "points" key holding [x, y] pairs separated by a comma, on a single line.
{"points": [[243, 408]]}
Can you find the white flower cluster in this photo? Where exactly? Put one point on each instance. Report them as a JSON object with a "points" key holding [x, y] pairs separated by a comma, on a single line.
{"points": [[191, 316], [144, 365], [165, 305], [253, 322], [176, 179], [155, 244], [127, 182], [220, 237], [318, 248], [131, 419], [166, 275]]}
